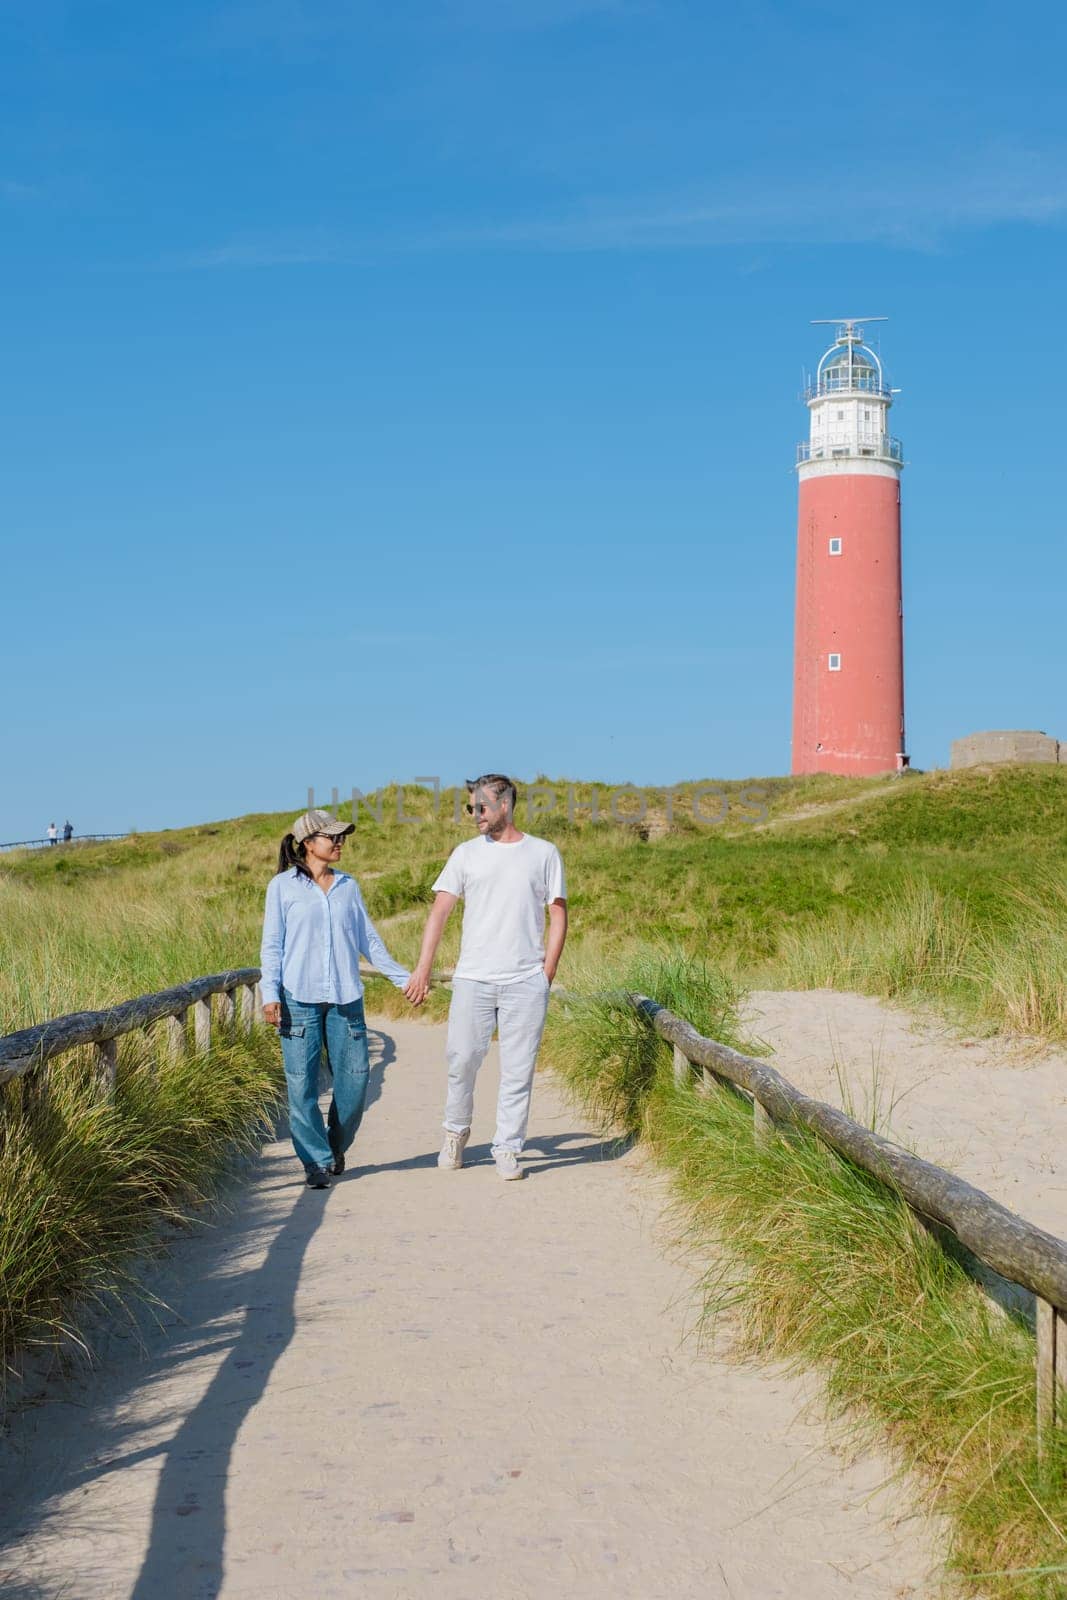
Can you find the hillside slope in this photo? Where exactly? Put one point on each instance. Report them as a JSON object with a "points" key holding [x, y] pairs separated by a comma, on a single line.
{"points": [[946, 886]]}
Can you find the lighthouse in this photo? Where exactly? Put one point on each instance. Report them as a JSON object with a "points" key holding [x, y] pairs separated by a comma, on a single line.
{"points": [[848, 673]]}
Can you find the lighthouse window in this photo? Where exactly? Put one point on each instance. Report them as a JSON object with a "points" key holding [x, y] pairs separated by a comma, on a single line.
{"points": [[835, 547], [840, 416], [834, 662]]}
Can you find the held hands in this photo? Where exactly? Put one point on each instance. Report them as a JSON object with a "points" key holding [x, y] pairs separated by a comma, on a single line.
{"points": [[418, 986]]}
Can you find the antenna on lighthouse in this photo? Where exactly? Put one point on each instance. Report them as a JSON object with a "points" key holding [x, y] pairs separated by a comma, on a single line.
{"points": [[849, 329]]}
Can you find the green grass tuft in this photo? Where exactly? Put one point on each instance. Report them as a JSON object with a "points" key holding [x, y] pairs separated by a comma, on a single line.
{"points": [[607, 1052]]}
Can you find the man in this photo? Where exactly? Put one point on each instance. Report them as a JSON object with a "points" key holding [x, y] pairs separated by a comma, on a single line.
{"points": [[68, 831], [53, 833], [505, 969]]}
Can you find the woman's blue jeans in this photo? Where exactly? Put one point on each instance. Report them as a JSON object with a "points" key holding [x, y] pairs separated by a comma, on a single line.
{"points": [[306, 1030]]}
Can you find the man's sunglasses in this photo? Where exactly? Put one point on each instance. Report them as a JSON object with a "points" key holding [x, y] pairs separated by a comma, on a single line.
{"points": [[482, 808]]}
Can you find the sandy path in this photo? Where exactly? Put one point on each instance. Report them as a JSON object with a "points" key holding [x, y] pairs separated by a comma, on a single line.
{"points": [[427, 1384], [826, 808], [991, 1112]]}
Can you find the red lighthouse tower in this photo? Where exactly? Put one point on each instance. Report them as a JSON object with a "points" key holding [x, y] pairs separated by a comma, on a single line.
{"points": [[848, 678]]}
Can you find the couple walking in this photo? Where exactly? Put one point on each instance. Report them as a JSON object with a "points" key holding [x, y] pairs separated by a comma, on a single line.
{"points": [[316, 928]]}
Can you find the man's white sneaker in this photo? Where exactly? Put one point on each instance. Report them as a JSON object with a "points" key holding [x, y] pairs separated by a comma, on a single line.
{"points": [[507, 1164], [451, 1157]]}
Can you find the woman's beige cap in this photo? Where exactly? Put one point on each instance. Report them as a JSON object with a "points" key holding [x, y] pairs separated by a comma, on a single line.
{"points": [[319, 822]]}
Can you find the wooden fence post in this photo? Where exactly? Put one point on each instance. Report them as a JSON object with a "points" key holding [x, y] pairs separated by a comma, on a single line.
{"points": [[34, 1087], [1051, 1370], [258, 998], [226, 1008], [175, 1027], [681, 1068], [202, 1024], [105, 1065], [247, 1002], [762, 1124]]}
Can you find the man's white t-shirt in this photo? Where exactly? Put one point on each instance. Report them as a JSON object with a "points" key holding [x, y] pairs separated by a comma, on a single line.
{"points": [[506, 888]]}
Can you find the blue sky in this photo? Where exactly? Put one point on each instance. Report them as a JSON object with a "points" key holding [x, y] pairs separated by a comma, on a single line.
{"points": [[413, 388]]}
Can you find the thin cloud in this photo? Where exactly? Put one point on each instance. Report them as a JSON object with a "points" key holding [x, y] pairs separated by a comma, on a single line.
{"points": [[916, 212]]}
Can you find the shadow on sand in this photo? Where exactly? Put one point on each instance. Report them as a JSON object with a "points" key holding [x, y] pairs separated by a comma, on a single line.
{"points": [[540, 1155], [242, 1321]]}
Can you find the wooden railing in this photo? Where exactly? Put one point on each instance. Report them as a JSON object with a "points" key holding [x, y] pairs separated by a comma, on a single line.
{"points": [[32, 1049], [1011, 1247]]}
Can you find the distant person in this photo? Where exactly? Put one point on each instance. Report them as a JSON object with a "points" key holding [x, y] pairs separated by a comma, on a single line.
{"points": [[315, 928], [53, 833], [68, 832], [504, 973]]}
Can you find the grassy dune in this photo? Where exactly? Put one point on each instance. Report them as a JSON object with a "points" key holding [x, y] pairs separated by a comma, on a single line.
{"points": [[947, 888]]}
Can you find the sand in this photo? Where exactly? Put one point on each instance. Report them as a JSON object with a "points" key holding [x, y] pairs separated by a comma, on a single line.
{"points": [[994, 1112], [437, 1384]]}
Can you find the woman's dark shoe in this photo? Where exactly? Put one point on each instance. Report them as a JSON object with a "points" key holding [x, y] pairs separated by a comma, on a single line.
{"points": [[318, 1178], [337, 1165]]}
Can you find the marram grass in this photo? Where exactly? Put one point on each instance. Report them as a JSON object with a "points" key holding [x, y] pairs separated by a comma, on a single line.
{"points": [[1003, 968], [829, 1269], [84, 1179]]}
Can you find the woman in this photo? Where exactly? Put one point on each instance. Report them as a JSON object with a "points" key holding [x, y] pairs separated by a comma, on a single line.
{"points": [[314, 931]]}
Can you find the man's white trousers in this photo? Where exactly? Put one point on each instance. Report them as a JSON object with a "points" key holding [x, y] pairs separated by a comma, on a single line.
{"points": [[518, 1011]]}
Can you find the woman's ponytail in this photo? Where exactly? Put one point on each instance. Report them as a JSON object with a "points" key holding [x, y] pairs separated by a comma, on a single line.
{"points": [[292, 855]]}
